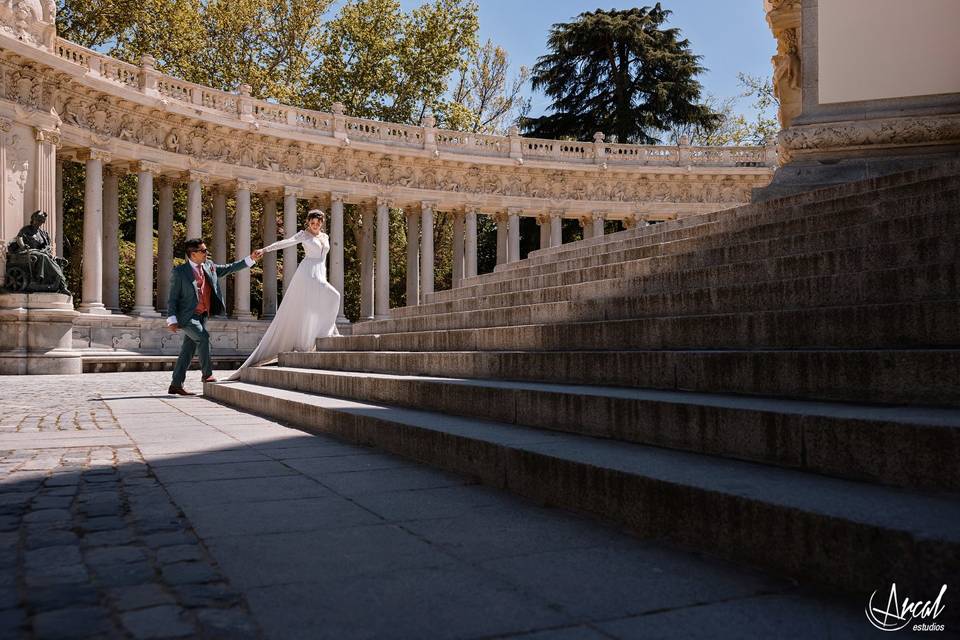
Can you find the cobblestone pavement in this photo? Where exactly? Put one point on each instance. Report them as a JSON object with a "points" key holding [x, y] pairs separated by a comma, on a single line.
{"points": [[127, 513]]}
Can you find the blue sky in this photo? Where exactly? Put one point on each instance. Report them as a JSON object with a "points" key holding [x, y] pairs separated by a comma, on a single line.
{"points": [[731, 35]]}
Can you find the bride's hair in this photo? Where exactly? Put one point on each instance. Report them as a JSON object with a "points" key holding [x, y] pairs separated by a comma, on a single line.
{"points": [[315, 214]]}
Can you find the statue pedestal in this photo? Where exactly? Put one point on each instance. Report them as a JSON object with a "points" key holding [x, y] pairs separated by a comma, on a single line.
{"points": [[36, 334]]}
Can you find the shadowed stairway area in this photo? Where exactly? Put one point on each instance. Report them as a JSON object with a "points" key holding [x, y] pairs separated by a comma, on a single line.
{"points": [[775, 384]]}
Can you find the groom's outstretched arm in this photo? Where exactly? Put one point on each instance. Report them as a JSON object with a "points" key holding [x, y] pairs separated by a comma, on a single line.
{"points": [[249, 261]]}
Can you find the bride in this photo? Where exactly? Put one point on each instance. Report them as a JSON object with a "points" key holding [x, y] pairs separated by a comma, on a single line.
{"points": [[310, 304]]}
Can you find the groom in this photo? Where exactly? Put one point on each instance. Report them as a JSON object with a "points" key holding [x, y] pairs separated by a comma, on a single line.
{"points": [[194, 297]]}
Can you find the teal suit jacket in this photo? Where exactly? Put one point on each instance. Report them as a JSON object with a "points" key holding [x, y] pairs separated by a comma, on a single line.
{"points": [[183, 298]]}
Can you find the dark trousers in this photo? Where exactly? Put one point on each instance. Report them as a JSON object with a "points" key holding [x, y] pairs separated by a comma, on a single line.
{"points": [[195, 339]]}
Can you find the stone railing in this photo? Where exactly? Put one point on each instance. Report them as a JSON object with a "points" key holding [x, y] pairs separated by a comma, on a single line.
{"points": [[242, 106]]}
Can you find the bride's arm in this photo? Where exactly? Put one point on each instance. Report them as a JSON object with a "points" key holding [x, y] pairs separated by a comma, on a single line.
{"points": [[296, 238]]}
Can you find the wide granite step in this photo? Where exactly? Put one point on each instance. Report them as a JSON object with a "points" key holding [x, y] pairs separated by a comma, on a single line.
{"points": [[868, 239], [872, 326], [697, 292], [899, 446], [893, 376], [820, 529], [890, 219]]}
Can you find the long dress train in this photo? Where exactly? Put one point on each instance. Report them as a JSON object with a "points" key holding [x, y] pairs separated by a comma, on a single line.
{"points": [[309, 308]]}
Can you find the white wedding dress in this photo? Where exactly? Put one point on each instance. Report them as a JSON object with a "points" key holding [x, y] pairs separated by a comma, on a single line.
{"points": [[309, 308]]}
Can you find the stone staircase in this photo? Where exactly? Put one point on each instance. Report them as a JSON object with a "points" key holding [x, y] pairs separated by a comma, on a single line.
{"points": [[777, 384]]}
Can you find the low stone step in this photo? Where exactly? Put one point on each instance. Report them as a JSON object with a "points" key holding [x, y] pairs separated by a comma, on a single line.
{"points": [[671, 258], [915, 216], [669, 294], [823, 217], [905, 376], [929, 191], [733, 509], [923, 324], [886, 234], [866, 442]]}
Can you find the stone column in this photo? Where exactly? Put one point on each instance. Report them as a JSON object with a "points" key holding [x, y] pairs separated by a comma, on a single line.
{"points": [[382, 287], [269, 219], [586, 223], [598, 222], [143, 302], [164, 242], [556, 228], [426, 247], [58, 216], [413, 256], [242, 235], [544, 221], [458, 232], [111, 238], [470, 249], [220, 233], [501, 220], [194, 203], [366, 263], [513, 235], [336, 249], [290, 195], [46, 173], [92, 289]]}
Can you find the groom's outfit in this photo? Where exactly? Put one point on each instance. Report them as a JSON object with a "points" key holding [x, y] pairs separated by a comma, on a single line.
{"points": [[195, 296]]}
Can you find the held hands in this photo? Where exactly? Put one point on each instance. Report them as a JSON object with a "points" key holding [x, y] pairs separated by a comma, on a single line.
{"points": [[256, 255]]}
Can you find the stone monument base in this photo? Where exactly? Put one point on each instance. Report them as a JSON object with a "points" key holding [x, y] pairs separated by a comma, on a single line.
{"points": [[36, 334]]}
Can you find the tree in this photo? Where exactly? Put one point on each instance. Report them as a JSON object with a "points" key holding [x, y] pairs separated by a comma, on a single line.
{"points": [[618, 72], [733, 127], [382, 63], [485, 99]]}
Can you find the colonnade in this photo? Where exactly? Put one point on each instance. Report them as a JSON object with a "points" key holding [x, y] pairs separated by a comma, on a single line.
{"points": [[100, 270]]}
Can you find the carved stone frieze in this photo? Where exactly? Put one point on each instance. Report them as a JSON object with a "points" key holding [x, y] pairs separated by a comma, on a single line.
{"points": [[871, 133]]}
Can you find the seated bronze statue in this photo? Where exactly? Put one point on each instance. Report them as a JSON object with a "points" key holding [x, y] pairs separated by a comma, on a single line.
{"points": [[31, 265]]}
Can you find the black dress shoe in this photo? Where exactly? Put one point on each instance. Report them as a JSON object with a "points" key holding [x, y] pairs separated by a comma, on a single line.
{"points": [[179, 391]]}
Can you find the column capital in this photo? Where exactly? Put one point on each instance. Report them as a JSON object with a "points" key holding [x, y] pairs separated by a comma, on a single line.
{"points": [[51, 136], [499, 216], [142, 166], [428, 205], [289, 190], [543, 218], [120, 169], [273, 193], [472, 207], [196, 176], [599, 215], [245, 184], [557, 213], [383, 201], [338, 196], [94, 154], [514, 211], [410, 212]]}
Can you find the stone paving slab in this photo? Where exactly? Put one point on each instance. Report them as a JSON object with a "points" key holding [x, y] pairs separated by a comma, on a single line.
{"points": [[127, 513]]}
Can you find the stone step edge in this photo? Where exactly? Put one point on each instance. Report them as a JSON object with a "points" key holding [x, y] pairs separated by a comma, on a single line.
{"points": [[602, 478], [521, 268], [747, 315], [483, 288], [704, 422], [737, 211], [580, 295], [883, 376]]}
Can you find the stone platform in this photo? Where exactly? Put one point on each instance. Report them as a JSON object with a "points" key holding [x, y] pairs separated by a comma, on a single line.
{"points": [[130, 513]]}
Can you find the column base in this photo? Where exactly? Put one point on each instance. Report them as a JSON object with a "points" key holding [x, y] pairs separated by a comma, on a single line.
{"points": [[145, 312], [94, 309], [267, 316], [381, 317], [343, 320], [246, 315]]}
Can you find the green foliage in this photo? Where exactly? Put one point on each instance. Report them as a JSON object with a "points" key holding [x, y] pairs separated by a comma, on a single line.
{"points": [[485, 99], [618, 72], [733, 127]]}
